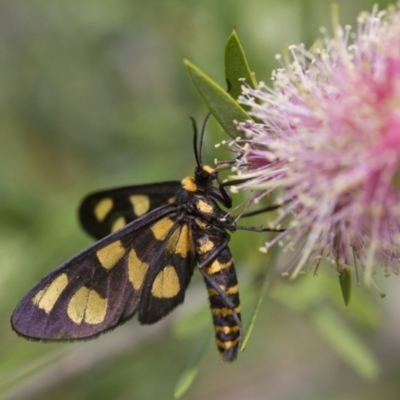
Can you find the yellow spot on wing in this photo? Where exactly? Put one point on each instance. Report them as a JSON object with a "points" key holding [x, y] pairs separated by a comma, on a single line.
{"points": [[103, 208], [166, 284], [118, 224], [204, 207], [140, 204], [136, 270], [184, 242], [96, 309], [179, 242], [188, 184], [88, 306], [47, 297], [161, 228], [217, 266], [111, 254]]}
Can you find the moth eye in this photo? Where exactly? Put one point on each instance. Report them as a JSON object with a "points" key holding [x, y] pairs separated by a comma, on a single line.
{"points": [[204, 175]]}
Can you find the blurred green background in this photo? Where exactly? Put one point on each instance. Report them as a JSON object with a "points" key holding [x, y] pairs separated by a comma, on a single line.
{"points": [[93, 94]]}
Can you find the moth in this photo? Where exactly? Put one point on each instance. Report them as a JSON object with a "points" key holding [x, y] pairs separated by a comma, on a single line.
{"points": [[150, 238]]}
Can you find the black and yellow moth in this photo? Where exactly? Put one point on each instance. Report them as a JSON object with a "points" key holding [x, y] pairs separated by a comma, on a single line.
{"points": [[150, 238]]}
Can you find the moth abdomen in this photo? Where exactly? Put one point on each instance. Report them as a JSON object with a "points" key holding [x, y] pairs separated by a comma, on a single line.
{"points": [[223, 294]]}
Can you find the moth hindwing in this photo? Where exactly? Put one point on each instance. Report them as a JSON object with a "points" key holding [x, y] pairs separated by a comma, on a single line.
{"points": [[106, 211], [150, 238]]}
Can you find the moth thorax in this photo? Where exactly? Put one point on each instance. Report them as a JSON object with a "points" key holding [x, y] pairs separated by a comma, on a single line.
{"points": [[189, 184]]}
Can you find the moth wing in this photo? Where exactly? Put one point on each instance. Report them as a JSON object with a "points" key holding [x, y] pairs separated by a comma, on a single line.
{"points": [[99, 288], [104, 212]]}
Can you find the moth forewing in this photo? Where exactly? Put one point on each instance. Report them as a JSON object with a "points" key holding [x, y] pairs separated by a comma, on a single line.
{"points": [[96, 290]]}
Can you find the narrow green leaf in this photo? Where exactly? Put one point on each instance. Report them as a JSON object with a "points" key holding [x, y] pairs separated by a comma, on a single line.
{"points": [[190, 372], [345, 342], [364, 309], [236, 66], [224, 108], [185, 381], [345, 285], [261, 296]]}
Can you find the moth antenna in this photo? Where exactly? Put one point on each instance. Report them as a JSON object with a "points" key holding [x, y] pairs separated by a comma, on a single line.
{"points": [[195, 134], [203, 131], [198, 151]]}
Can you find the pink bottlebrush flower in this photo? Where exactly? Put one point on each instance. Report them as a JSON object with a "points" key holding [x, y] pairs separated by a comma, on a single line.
{"points": [[327, 146]]}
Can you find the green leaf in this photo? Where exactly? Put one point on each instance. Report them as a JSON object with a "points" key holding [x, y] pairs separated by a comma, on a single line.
{"points": [[253, 319], [190, 372], [262, 292], [345, 285], [221, 105], [185, 381], [236, 66]]}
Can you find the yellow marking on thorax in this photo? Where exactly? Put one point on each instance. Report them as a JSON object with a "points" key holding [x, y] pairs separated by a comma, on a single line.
{"points": [[118, 224], [205, 247], [226, 329], [232, 290], [179, 242], [161, 228], [140, 204], [224, 311], [86, 305], [103, 208], [228, 344], [136, 270], [166, 284], [204, 207], [189, 184], [171, 200], [111, 254], [208, 169], [47, 297], [217, 266]]}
